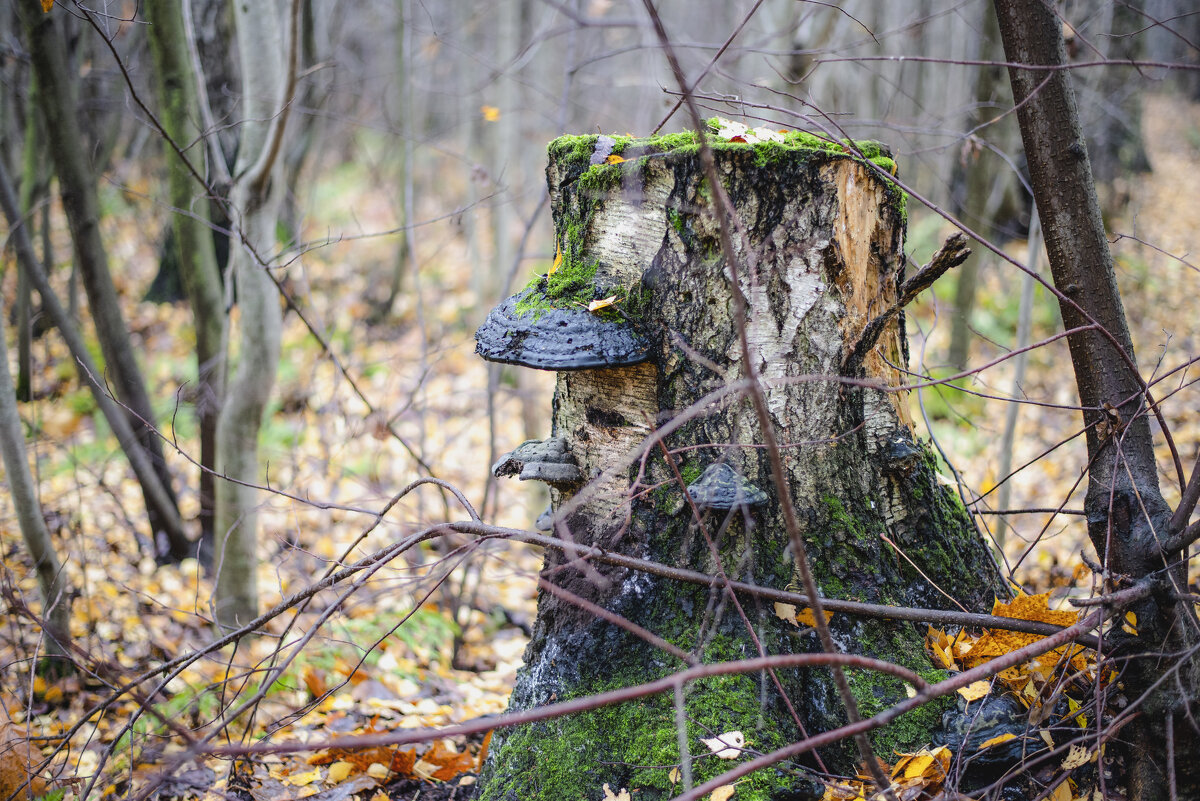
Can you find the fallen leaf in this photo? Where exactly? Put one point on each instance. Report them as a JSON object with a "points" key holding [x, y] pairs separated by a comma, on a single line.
{"points": [[303, 779], [1077, 757], [975, 690], [621, 796], [786, 612], [999, 738], [1061, 793], [597, 305], [47, 5], [614, 159], [723, 793], [490, 113], [674, 776], [378, 770], [557, 261], [728, 745], [338, 772], [807, 618]]}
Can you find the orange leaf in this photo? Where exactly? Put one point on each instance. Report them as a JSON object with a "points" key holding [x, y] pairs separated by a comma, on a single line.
{"points": [[807, 618], [557, 261], [483, 747], [490, 113], [47, 5], [613, 159]]}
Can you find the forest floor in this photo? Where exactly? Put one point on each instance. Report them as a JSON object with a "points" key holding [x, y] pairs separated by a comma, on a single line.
{"points": [[436, 638]]}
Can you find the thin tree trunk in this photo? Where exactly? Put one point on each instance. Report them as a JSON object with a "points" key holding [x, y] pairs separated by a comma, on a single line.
{"points": [[78, 189], [257, 201], [89, 374], [986, 182], [197, 260], [1128, 519], [828, 239], [52, 582]]}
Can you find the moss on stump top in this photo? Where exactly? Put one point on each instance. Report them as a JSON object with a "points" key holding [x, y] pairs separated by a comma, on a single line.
{"points": [[594, 152]]}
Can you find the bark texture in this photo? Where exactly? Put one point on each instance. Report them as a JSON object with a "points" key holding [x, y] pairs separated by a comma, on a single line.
{"points": [[1128, 520], [828, 234]]}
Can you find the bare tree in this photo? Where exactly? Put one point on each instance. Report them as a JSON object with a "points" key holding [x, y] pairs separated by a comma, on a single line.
{"points": [[267, 35], [1134, 531], [187, 179]]}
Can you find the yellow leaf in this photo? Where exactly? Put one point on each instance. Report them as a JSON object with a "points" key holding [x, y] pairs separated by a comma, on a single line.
{"points": [[785, 612], [1078, 756], [1130, 624], [47, 5], [597, 305], [1075, 706], [490, 113], [975, 690], [674, 776], [999, 738], [614, 159], [917, 766], [807, 618], [557, 261], [378, 770], [338, 772], [307, 777], [1061, 793], [723, 793]]}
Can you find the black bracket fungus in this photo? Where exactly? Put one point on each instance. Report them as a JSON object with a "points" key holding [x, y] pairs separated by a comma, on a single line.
{"points": [[721, 487], [557, 338], [901, 452], [966, 728], [549, 461]]}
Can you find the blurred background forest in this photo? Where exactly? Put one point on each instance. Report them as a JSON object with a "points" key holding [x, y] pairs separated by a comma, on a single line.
{"points": [[410, 199]]}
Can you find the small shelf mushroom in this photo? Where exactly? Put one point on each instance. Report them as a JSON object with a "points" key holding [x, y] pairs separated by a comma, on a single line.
{"points": [[546, 460], [721, 487]]}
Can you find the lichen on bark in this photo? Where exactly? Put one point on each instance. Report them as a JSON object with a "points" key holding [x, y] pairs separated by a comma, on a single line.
{"points": [[820, 249]]}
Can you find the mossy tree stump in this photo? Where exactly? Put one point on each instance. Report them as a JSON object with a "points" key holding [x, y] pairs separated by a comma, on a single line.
{"points": [[827, 232]]}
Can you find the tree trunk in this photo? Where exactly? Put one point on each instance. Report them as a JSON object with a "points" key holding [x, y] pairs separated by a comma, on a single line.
{"points": [[78, 188], [257, 201], [989, 181], [56, 606], [828, 234], [193, 241], [1128, 520]]}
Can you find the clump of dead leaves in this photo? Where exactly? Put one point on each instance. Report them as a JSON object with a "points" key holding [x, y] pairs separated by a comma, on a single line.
{"points": [[1040, 684]]}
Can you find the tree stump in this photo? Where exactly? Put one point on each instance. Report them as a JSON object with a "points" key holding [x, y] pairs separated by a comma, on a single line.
{"points": [[638, 240]]}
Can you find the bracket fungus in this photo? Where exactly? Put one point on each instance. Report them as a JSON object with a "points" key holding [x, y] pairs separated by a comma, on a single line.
{"points": [[549, 461], [521, 331], [721, 487]]}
